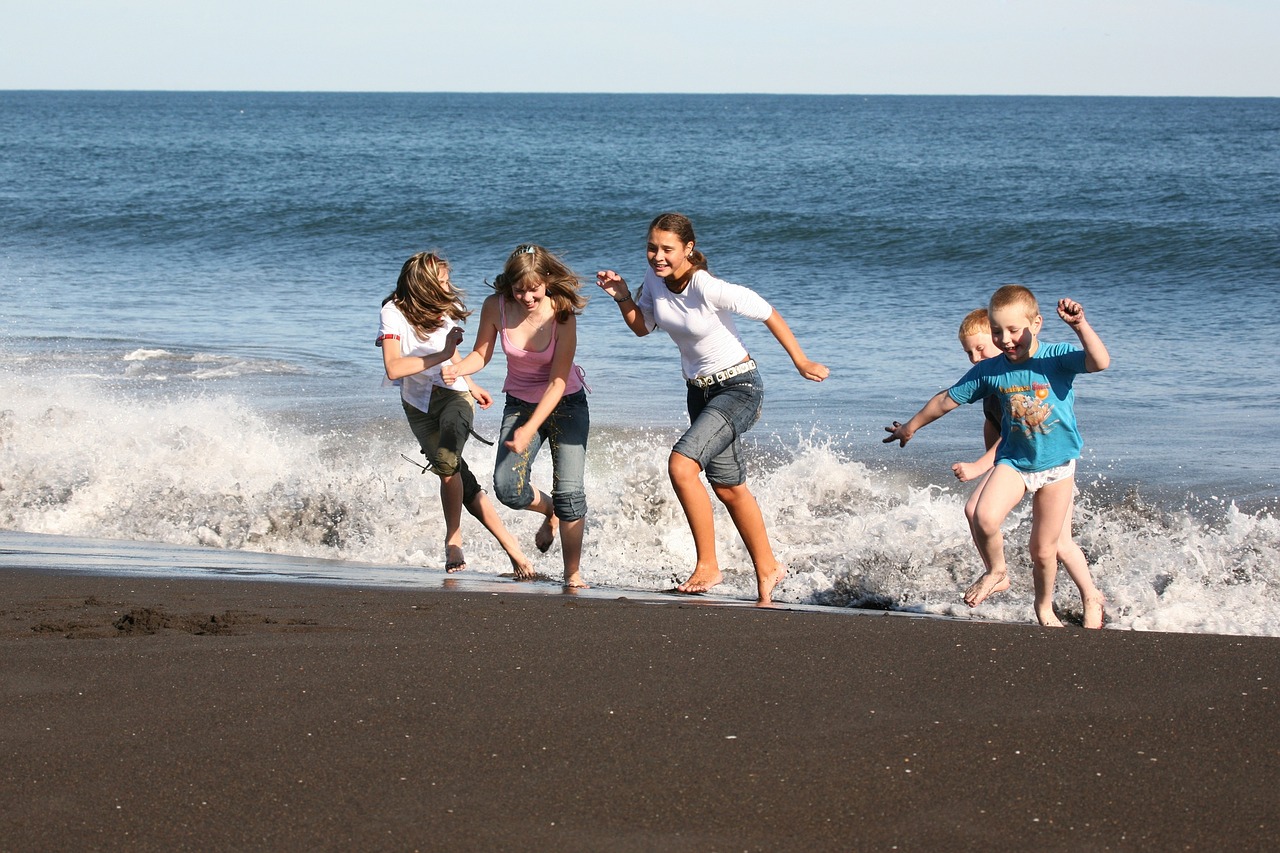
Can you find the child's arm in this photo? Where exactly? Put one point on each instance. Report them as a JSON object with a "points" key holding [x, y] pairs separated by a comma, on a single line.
{"points": [[399, 366], [966, 471], [938, 405], [482, 352], [482, 397], [1096, 357], [614, 285], [808, 369]]}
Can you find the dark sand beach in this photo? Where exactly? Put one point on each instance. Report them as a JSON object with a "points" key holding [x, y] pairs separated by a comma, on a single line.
{"points": [[160, 714]]}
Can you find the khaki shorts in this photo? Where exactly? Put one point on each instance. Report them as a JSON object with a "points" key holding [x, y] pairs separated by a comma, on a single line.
{"points": [[442, 431]]}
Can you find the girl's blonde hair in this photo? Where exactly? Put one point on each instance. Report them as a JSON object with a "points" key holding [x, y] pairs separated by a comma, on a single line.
{"points": [[422, 297], [563, 286]]}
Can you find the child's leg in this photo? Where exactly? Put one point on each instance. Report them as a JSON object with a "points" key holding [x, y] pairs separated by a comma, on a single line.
{"points": [[483, 510], [746, 515], [718, 417], [451, 504], [696, 504], [426, 427], [1049, 509], [999, 493], [971, 509], [567, 431], [1073, 560], [511, 474]]}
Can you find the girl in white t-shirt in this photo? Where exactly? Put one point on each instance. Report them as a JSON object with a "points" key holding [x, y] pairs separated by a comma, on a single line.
{"points": [[725, 391], [423, 316]]}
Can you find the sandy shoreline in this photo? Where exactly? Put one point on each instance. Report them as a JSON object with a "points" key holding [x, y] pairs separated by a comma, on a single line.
{"points": [[156, 713]]}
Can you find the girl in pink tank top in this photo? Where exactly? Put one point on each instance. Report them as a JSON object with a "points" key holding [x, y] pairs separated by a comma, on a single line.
{"points": [[534, 314]]}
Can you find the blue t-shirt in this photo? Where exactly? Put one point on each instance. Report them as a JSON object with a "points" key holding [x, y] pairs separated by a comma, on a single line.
{"points": [[1038, 427]]}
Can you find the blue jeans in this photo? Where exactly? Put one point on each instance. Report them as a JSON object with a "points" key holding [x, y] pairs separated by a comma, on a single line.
{"points": [[566, 430], [718, 417]]}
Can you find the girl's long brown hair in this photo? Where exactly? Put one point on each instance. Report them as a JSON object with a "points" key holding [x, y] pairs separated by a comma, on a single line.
{"points": [[679, 225], [421, 297], [564, 289]]}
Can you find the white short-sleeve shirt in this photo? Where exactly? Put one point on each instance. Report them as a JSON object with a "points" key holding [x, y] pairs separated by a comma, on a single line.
{"points": [[416, 389]]}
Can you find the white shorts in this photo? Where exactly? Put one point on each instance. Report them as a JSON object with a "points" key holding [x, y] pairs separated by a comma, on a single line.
{"points": [[1037, 480]]}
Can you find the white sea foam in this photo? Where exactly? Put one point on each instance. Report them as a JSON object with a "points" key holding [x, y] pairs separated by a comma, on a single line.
{"points": [[209, 470]]}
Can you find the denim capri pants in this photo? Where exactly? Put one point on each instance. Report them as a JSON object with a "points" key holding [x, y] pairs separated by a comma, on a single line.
{"points": [[718, 416], [566, 431], [442, 431]]}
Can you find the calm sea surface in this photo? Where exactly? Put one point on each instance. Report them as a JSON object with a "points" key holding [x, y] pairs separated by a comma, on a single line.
{"points": [[189, 288]]}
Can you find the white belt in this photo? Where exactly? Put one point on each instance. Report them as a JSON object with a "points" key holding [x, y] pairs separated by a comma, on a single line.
{"points": [[721, 375]]}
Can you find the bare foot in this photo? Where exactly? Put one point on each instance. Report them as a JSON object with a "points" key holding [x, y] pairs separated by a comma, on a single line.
{"points": [[1048, 618], [546, 533], [988, 584], [766, 585], [524, 569], [701, 580], [454, 561], [1094, 615], [575, 581]]}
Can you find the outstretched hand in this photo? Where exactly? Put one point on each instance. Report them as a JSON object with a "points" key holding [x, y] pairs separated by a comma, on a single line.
{"points": [[1071, 312], [611, 283], [899, 433]]}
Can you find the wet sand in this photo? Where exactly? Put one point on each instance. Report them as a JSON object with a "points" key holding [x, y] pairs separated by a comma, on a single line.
{"points": [[159, 714]]}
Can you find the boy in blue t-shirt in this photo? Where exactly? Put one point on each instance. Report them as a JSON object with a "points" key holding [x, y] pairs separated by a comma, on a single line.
{"points": [[1039, 441]]}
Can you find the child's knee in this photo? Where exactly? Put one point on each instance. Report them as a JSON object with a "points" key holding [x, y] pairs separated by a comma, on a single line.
{"points": [[511, 486], [570, 506]]}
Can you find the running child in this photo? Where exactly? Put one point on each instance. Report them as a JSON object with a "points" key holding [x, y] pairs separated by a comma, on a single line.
{"points": [[418, 332], [533, 313], [975, 340], [724, 392], [1039, 443]]}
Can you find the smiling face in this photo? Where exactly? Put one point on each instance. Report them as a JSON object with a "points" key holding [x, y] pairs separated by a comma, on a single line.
{"points": [[978, 347], [1014, 332], [529, 291], [668, 254]]}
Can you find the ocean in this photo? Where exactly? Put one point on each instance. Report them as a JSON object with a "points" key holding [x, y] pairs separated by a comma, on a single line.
{"points": [[191, 284]]}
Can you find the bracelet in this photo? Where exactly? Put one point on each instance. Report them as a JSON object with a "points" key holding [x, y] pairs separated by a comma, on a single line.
{"points": [[626, 298]]}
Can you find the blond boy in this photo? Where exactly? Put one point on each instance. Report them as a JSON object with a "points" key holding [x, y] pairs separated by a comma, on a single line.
{"points": [[1038, 447]]}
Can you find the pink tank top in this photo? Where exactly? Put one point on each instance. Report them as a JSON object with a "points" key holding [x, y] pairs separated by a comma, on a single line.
{"points": [[528, 372]]}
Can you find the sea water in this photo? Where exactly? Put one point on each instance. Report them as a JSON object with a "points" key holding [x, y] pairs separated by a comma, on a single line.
{"points": [[190, 282]]}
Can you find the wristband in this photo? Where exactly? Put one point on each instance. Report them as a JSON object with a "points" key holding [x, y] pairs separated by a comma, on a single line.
{"points": [[626, 298]]}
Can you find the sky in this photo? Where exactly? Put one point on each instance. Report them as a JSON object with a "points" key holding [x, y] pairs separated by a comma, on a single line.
{"points": [[1020, 47]]}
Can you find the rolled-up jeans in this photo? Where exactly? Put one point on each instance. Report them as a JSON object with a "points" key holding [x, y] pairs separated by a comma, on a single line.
{"points": [[565, 429]]}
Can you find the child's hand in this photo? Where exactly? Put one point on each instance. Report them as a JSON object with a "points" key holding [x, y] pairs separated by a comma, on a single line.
{"points": [[449, 373], [453, 340], [899, 433], [966, 471], [612, 283], [520, 440], [482, 397], [813, 371], [1071, 312]]}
